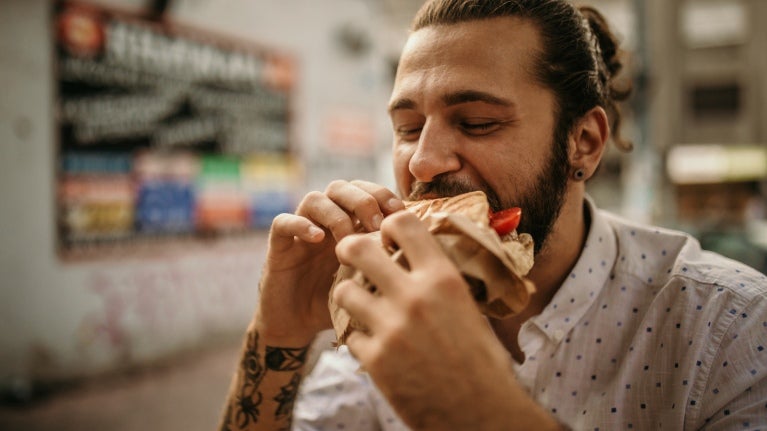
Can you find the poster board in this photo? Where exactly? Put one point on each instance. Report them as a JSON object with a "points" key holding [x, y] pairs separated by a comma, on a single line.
{"points": [[166, 133]]}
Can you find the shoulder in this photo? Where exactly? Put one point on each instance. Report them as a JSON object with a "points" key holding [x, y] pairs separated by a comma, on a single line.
{"points": [[711, 312], [659, 256], [662, 278], [670, 274]]}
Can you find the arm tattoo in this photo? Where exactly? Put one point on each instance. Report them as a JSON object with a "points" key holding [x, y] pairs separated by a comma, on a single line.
{"points": [[245, 407], [249, 398], [285, 359], [287, 397], [251, 363]]}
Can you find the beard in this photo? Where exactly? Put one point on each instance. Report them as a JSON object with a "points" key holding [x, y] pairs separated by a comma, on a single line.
{"points": [[541, 203]]}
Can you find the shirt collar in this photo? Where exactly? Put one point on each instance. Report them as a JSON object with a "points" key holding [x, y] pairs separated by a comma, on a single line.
{"points": [[584, 283]]}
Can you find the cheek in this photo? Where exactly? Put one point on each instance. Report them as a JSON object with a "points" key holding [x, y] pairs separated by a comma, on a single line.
{"points": [[401, 155], [510, 173]]}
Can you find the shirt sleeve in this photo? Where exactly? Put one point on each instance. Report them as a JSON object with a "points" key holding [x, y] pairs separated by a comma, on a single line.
{"points": [[735, 395], [335, 396]]}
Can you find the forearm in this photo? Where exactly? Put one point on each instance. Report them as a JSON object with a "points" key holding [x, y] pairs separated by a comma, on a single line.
{"points": [[265, 385]]}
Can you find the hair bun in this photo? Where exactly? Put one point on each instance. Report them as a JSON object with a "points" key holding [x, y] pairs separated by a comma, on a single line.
{"points": [[610, 63], [606, 42]]}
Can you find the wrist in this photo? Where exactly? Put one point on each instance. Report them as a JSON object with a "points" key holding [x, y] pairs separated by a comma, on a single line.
{"points": [[280, 336]]}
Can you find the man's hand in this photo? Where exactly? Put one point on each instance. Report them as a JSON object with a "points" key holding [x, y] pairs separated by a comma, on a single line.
{"points": [[293, 305], [301, 260], [428, 348]]}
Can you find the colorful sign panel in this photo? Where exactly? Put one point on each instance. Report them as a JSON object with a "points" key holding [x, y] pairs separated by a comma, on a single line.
{"points": [[164, 131]]}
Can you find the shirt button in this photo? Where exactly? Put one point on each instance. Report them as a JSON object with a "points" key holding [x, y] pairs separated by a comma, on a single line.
{"points": [[559, 335]]}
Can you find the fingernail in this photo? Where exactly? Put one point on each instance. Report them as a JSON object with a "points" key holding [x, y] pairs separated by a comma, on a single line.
{"points": [[377, 219]]}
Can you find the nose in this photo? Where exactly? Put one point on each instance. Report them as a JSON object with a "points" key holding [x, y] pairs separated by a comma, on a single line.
{"points": [[435, 153]]}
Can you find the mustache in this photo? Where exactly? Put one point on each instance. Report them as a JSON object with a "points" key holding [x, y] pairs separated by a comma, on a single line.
{"points": [[446, 187]]}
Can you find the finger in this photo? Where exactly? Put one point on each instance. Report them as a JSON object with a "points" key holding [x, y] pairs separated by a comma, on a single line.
{"points": [[366, 253], [387, 200], [410, 234], [287, 227], [327, 214], [358, 302], [363, 205], [360, 344]]}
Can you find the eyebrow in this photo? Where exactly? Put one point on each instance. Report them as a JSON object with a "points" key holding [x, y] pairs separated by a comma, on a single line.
{"points": [[456, 98]]}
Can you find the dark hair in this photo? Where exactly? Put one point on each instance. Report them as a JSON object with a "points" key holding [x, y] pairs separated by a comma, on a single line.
{"points": [[580, 55]]}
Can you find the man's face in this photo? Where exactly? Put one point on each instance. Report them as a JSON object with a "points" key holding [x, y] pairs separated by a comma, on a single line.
{"points": [[468, 115]]}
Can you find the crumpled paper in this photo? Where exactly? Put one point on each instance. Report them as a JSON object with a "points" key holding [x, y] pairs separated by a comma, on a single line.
{"points": [[495, 269]]}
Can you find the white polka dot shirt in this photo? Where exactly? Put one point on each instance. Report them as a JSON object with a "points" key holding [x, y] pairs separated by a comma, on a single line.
{"points": [[648, 332]]}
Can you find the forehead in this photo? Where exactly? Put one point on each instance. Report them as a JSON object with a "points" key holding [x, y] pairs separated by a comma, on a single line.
{"points": [[496, 53]]}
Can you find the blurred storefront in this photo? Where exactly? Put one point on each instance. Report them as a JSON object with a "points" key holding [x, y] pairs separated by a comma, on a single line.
{"points": [[697, 121], [715, 159]]}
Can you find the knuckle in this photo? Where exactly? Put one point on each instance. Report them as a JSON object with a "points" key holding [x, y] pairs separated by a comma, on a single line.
{"points": [[369, 202], [284, 223], [281, 219], [416, 306], [450, 283], [359, 183], [340, 226], [335, 185], [399, 220], [340, 291], [314, 196], [352, 245], [339, 220], [372, 188], [310, 199]]}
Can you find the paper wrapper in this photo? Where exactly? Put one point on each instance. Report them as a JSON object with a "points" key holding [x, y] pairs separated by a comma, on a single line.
{"points": [[495, 269]]}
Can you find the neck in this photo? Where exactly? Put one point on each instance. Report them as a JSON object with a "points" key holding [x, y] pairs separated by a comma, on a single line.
{"points": [[559, 255], [552, 266]]}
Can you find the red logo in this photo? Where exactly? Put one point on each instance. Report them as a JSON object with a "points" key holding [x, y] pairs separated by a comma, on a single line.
{"points": [[81, 31]]}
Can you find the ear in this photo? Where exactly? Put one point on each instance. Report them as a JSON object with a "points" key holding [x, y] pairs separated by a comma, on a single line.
{"points": [[588, 140]]}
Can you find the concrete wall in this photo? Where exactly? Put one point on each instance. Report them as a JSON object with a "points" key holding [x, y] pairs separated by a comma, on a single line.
{"points": [[67, 319]]}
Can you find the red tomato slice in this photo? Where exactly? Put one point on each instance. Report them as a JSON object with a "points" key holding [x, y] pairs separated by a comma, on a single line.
{"points": [[505, 221]]}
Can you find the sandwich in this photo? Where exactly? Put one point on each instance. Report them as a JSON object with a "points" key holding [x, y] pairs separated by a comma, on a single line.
{"points": [[493, 258]]}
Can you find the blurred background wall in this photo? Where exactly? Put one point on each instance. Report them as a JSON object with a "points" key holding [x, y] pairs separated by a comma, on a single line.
{"points": [[107, 262], [135, 198]]}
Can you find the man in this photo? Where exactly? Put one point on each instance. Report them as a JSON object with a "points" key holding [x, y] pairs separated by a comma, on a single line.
{"points": [[631, 327]]}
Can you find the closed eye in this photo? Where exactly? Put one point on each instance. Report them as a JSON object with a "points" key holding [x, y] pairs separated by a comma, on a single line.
{"points": [[408, 133], [483, 128]]}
